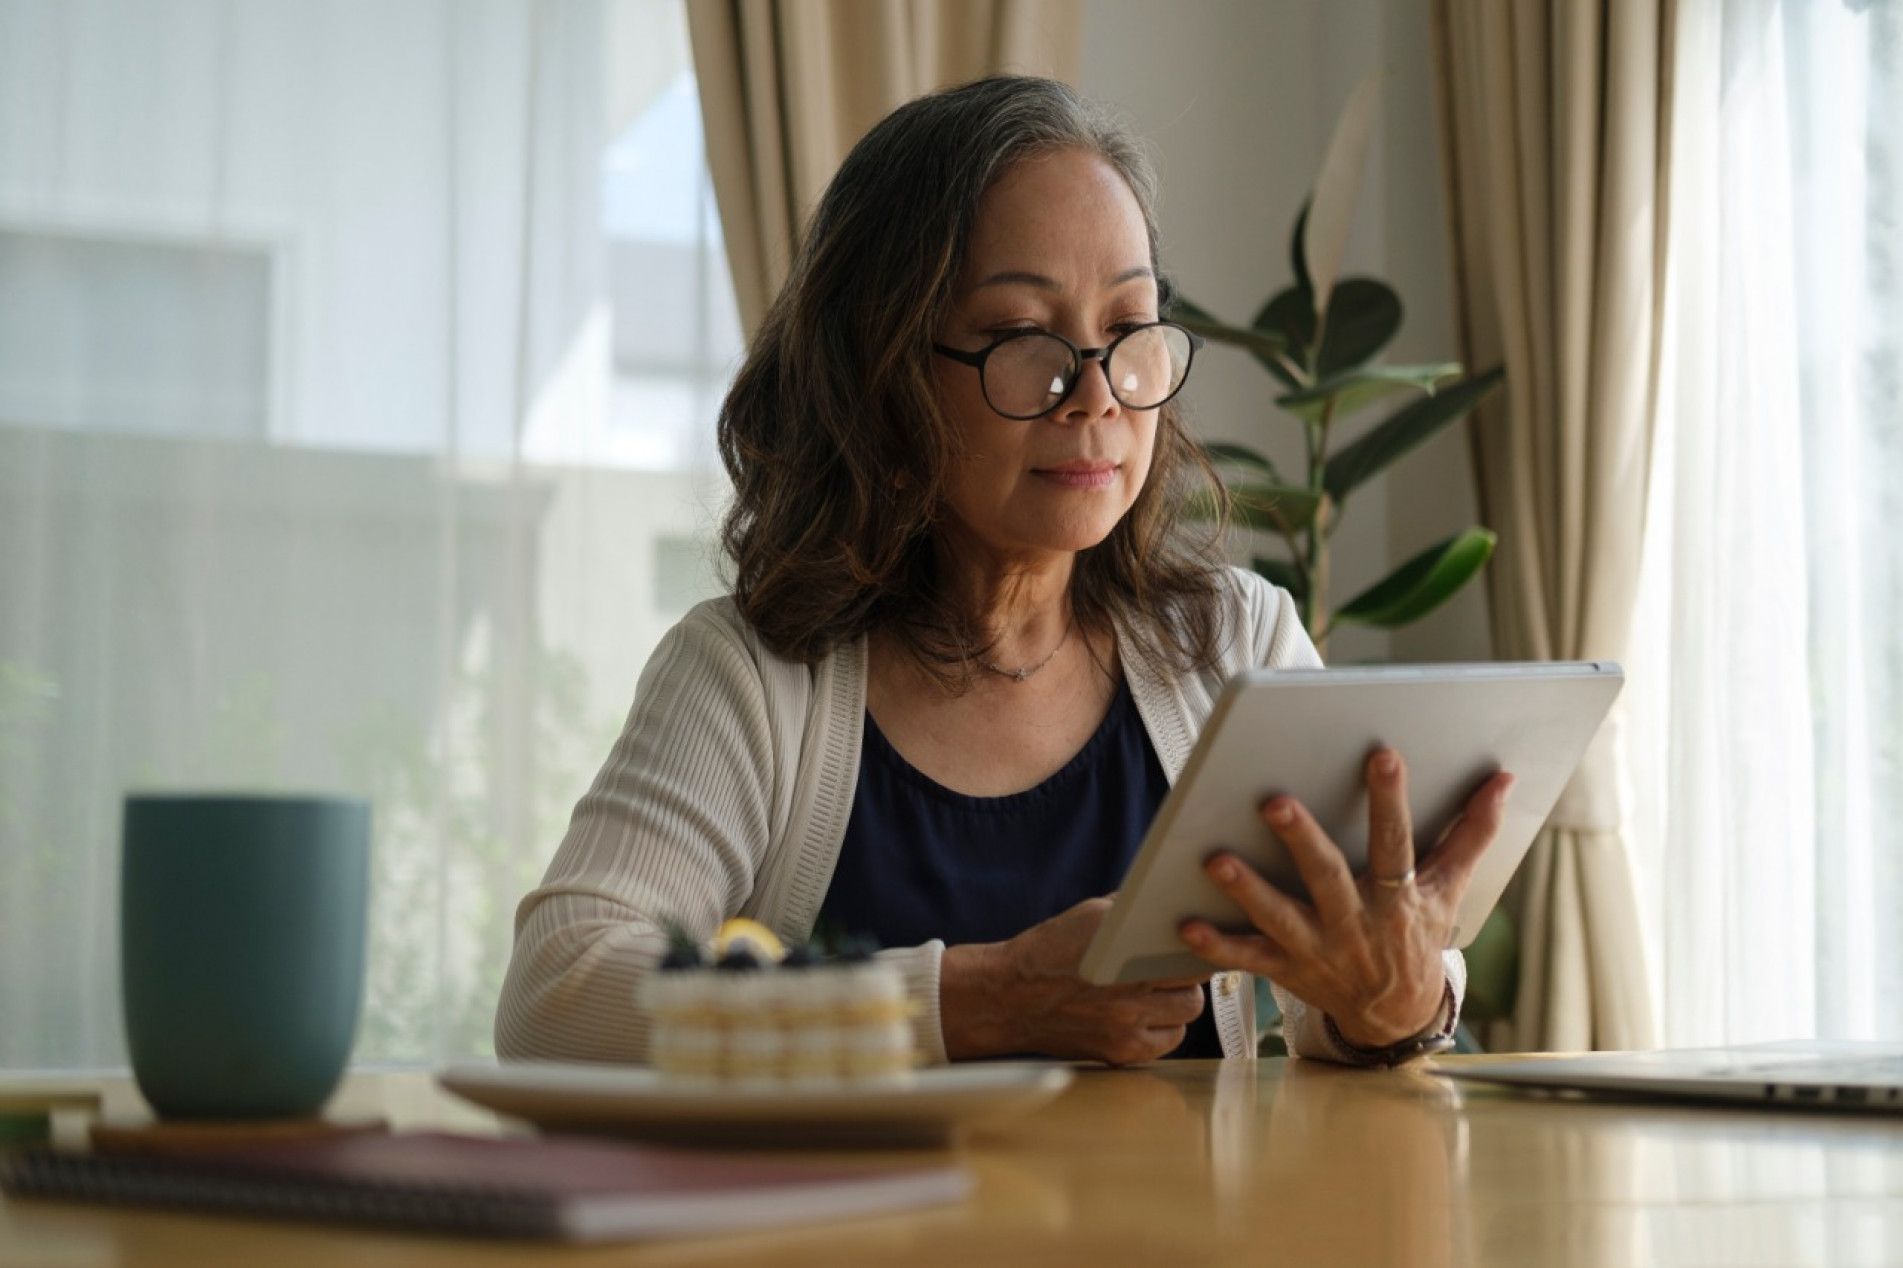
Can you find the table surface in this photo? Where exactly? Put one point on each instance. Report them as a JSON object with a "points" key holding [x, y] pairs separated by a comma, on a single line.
{"points": [[1200, 1162]]}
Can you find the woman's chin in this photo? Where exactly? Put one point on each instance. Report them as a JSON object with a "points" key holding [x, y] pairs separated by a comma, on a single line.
{"points": [[1069, 541], [1052, 527]]}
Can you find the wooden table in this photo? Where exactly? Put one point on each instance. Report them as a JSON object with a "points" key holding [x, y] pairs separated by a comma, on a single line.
{"points": [[1204, 1163]]}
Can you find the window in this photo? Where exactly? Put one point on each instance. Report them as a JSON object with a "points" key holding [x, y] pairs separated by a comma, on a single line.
{"points": [[1770, 666], [371, 451]]}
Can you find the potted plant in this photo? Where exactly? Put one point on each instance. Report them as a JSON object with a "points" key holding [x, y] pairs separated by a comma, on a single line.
{"points": [[1320, 337]]}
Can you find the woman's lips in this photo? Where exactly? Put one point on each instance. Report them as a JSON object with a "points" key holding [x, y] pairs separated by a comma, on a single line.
{"points": [[1079, 475]]}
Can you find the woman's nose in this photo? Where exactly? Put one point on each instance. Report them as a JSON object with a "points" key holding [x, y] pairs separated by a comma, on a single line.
{"points": [[1092, 397]]}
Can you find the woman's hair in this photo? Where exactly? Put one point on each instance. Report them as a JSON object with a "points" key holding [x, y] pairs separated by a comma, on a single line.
{"points": [[833, 434]]}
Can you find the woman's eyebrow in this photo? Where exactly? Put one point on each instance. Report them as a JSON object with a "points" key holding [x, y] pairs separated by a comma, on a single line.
{"points": [[1017, 277]]}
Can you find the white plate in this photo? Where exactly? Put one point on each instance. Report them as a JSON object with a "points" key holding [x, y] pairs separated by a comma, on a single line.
{"points": [[928, 1108]]}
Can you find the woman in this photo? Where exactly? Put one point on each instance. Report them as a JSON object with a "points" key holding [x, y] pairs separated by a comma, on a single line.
{"points": [[969, 646]]}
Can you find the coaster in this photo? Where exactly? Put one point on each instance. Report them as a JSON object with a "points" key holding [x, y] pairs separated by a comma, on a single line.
{"points": [[27, 1099], [193, 1136]]}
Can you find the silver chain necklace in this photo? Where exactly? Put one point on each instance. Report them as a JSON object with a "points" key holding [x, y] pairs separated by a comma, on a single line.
{"points": [[1019, 675]]}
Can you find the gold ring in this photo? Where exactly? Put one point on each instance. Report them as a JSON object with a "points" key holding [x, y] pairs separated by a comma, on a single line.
{"points": [[1396, 882]]}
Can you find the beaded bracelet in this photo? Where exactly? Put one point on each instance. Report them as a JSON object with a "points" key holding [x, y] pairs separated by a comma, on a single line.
{"points": [[1438, 1039]]}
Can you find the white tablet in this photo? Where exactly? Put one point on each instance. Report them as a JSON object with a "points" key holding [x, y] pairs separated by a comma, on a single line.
{"points": [[1308, 732]]}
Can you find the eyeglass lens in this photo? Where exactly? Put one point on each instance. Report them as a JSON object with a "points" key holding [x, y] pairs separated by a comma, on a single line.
{"points": [[1028, 376]]}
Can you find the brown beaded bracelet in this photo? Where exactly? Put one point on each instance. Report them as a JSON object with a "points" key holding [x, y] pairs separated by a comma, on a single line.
{"points": [[1439, 1039]]}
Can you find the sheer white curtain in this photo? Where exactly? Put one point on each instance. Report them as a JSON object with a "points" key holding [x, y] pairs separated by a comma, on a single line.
{"points": [[357, 368], [1768, 676]]}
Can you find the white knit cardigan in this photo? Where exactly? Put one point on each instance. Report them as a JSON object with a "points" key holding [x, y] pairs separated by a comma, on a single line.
{"points": [[727, 794]]}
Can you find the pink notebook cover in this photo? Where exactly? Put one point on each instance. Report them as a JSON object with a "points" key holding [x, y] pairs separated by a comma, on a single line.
{"points": [[562, 1187]]}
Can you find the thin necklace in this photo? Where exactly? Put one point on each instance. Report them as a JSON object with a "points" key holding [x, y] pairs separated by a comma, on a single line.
{"points": [[1019, 675]]}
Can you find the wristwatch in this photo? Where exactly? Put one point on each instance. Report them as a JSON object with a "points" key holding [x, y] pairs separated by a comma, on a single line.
{"points": [[1438, 1039]]}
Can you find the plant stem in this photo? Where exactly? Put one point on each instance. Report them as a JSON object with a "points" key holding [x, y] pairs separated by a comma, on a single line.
{"points": [[1316, 614], [1299, 557], [1295, 370]]}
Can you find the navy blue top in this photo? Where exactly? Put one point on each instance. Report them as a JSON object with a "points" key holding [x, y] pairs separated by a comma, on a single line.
{"points": [[920, 861]]}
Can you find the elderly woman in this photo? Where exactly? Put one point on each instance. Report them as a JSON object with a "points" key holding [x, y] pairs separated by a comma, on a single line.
{"points": [[969, 646]]}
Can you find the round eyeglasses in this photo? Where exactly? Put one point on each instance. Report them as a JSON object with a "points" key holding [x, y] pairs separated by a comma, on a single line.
{"points": [[1028, 373]]}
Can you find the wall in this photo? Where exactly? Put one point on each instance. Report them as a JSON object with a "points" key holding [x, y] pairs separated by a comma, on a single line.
{"points": [[1237, 99]]}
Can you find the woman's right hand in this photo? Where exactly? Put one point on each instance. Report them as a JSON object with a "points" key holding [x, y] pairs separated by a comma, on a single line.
{"points": [[1024, 996]]}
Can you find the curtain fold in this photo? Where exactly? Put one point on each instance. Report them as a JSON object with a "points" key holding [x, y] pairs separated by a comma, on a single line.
{"points": [[1768, 690], [787, 87], [1554, 124]]}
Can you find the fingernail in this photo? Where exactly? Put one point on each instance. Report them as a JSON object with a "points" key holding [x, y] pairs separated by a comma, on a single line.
{"points": [[1386, 764], [1280, 812], [1225, 870]]}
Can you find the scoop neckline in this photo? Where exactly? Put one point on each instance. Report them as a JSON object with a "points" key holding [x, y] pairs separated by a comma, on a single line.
{"points": [[882, 750]]}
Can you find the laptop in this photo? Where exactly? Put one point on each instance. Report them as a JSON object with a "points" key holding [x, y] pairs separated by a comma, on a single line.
{"points": [[1837, 1074]]}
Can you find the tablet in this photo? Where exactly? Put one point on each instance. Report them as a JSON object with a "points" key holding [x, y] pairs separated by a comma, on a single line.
{"points": [[1308, 733]]}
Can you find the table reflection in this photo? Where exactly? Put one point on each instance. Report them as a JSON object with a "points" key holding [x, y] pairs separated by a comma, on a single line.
{"points": [[1652, 1183], [1206, 1163], [1365, 1166]]}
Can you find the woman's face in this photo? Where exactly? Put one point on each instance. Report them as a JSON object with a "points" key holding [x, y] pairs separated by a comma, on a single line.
{"points": [[1060, 246]]}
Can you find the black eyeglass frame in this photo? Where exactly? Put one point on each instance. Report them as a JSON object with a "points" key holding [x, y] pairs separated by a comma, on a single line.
{"points": [[1078, 356]]}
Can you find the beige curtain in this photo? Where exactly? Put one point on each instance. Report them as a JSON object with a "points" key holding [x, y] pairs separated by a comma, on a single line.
{"points": [[787, 86], [1554, 126]]}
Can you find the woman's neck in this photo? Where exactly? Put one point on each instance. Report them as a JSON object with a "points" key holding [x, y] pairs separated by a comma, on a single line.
{"points": [[1023, 606]]}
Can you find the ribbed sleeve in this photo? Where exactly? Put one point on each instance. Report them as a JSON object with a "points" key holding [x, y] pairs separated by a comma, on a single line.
{"points": [[695, 799]]}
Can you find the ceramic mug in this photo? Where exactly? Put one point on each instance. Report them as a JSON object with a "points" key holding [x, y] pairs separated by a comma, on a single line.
{"points": [[242, 929]]}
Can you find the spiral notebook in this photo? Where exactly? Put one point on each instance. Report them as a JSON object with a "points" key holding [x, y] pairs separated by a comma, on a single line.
{"points": [[568, 1189]]}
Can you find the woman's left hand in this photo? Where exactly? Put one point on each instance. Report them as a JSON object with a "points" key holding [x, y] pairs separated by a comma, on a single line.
{"points": [[1367, 952]]}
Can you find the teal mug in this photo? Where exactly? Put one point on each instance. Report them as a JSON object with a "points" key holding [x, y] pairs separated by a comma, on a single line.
{"points": [[242, 929]]}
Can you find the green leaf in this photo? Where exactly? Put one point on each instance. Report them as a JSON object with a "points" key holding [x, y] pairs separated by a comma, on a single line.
{"points": [[1289, 316], [1271, 348], [1276, 508], [1268, 347], [1298, 259], [1363, 316], [1353, 464], [1355, 390], [1421, 584], [1288, 313], [1272, 508], [1281, 572], [1242, 456]]}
